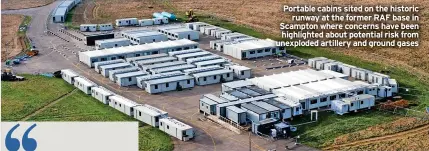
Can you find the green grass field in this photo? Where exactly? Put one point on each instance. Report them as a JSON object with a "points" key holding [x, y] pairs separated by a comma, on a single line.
{"points": [[75, 107], [20, 99]]}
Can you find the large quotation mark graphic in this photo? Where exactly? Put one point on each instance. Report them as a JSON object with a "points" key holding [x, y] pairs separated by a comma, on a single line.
{"points": [[13, 144]]}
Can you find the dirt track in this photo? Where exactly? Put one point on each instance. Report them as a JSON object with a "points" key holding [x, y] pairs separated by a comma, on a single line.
{"points": [[401, 135]]}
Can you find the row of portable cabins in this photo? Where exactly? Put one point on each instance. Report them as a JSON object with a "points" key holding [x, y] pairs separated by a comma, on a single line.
{"points": [[111, 43], [142, 112], [179, 32], [382, 80], [60, 12], [143, 22], [96, 27], [138, 37]]}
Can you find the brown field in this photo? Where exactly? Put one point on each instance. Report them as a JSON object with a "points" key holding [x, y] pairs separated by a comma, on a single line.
{"points": [[10, 41], [20, 4], [266, 16]]}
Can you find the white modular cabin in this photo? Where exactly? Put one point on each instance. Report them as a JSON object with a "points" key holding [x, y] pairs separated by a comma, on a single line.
{"points": [[157, 21], [335, 74], [208, 103], [111, 43], [105, 27], [384, 91], [126, 22], [127, 79], [146, 22], [88, 27], [102, 94], [132, 60], [163, 65], [104, 70], [212, 77], [378, 78], [213, 32], [274, 112], [84, 85], [149, 114], [113, 73], [240, 72], [138, 37], [219, 62], [320, 64], [285, 110], [180, 52], [360, 74], [253, 49], [312, 61], [332, 66], [200, 59], [59, 15], [90, 57], [183, 57], [236, 115], [233, 36], [394, 85], [164, 20], [254, 113], [214, 44], [97, 65], [169, 84], [339, 107], [360, 102], [173, 68], [176, 129], [228, 86], [207, 30], [346, 69], [196, 25], [142, 63], [123, 104], [69, 75], [202, 69], [142, 79], [220, 33], [180, 33]]}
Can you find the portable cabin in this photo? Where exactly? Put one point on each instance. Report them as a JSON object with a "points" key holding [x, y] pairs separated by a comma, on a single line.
{"points": [[214, 44], [169, 84], [146, 22], [394, 85], [219, 62], [59, 15], [208, 103], [88, 27], [163, 65], [233, 36], [84, 85], [228, 86], [138, 37], [180, 33], [384, 91], [360, 102], [375, 77], [180, 52], [126, 22], [220, 46], [196, 25], [296, 107], [285, 110], [105, 27], [339, 107], [157, 21], [202, 69], [97, 65], [145, 57], [69, 75], [164, 20], [67, 4], [221, 108], [236, 115], [212, 77], [127, 79], [207, 30], [249, 92], [102, 94], [204, 58], [113, 73], [240, 72], [142, 79], [123, 104], [105, 69], [312, 61], [183, 57], [335, 74], [255, 113], [274, 112], [111, 43], [220, 33], [149, 114], [346, 69], [238, 94], [360, 74], [332, 66], [172, 68], [253, 49], [228, 97], [320, 64], [176, 129], [142, 63], [90, 57]]}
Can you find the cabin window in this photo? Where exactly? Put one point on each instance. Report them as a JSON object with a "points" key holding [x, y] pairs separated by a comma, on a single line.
{"points": [[281, 48], [120, 105], [137, 55], [242, 72], [116, 103], [227, 75], [178, 49], [153, 40], [103, 59], [202, 104], [332, 97], [168, 127], [297, 109], [267, 50], [252, 52], [156, 86], [352, 104], [259, 51], [361, 102], [116, 45], [129, 79], [95, 93], [160, 123], [205, 79], [188, 81], [140, 113], [313, 101], [155, 52], [156, 119], [132, 110], [195, 46], [360, 92], [215, 77], [186, 48], [343, 95], [167, 85], [324, 100]]}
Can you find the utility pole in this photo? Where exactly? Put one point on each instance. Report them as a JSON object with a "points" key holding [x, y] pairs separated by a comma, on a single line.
{"points": [[250, 143]]}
